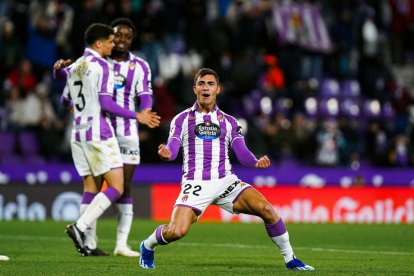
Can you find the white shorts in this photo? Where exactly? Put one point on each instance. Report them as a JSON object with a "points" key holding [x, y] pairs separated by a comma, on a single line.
{"points": [[96, 157], [129, 146], [198, 195]]}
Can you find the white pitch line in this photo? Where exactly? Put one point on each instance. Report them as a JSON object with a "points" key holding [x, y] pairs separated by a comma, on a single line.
{"points": [[226, 245]]}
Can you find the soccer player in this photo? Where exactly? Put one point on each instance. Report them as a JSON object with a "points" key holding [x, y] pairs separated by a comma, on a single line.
{"points": [[206, 134], [95, 150], [132, 81]]}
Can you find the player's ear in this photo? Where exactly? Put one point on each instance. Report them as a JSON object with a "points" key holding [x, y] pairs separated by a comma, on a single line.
{"points": [[194, 89], [219, 89]]}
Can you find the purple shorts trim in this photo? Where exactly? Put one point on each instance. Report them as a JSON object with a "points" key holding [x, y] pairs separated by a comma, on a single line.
{"points": [[196, 210], [237, 197]]}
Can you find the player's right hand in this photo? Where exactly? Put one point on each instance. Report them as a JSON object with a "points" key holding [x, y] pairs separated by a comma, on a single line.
{"points": [[164, 152], [61, 63], [149, 118], [263, 162]]}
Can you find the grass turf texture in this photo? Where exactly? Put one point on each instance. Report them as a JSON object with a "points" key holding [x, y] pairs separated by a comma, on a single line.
{"points": [[42, 248]]}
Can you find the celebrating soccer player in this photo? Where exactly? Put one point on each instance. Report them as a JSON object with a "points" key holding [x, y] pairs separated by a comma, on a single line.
{"points": [[206, 134]]}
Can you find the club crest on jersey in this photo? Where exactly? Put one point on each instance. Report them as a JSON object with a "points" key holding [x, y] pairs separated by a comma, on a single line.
{"points": [[207, 131], [220, 118], [120, 81], [184, 198], [131, 65]]}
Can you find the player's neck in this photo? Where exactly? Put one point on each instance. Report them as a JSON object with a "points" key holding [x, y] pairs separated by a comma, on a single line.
{"points": [[204, 108], [119, 56]]}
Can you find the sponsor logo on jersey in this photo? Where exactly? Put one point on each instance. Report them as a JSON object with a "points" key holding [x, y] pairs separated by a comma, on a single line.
{"points": [[207, 131], [120, 81]]}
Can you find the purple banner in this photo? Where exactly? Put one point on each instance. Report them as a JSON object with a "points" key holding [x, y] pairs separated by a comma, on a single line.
{"points": [[284, 174], [302, 25]]}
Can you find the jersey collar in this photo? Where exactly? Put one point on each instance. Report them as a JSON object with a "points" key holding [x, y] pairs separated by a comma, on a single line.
{"points": [[195, 108]]}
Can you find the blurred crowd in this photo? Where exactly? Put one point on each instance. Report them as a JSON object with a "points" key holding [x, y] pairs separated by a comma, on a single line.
{"points": [[325, 83]]}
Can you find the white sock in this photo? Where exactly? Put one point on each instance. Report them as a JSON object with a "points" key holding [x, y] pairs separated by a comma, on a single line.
{"points": [[125, 217], [90, 233], [96, 208], [284, 246]]}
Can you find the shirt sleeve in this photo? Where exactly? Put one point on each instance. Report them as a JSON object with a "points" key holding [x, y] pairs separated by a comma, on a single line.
{"points": [[244, 155], [108, 105], [66, 99], [60, 75], [174, 138], [145, 101]]}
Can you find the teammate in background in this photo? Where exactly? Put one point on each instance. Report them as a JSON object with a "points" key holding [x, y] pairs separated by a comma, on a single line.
{"points": [[132, 81], [95, 150], [205, 134]]}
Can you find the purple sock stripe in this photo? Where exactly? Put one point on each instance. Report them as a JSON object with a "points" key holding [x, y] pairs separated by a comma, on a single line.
{"points": [[111, 193], [87, 197], [125, 200], [158, 235], [277, 229]]}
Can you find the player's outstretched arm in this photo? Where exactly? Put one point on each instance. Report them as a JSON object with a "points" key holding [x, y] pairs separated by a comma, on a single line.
{"points": [[61, 63], [149, 118], [164, 152], [263, 162]]}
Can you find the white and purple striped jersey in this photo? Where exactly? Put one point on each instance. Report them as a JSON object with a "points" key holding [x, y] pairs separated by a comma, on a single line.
{"points": [[132, 80], [89, 77], [205, 141]]}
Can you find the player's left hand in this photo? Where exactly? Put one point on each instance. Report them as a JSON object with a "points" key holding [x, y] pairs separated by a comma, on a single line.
{"points": [[61, 63], [149, 118], [263, 162]]}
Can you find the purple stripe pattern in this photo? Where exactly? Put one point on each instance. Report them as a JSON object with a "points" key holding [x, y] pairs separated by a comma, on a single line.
{"points": [[277, 229], [222, 123], [191, 145], [208, 154], [77, 134], [117, 68], [127, 92]]}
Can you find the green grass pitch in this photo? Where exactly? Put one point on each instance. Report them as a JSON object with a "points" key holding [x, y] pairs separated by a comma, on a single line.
{"points": [[42, 248]]}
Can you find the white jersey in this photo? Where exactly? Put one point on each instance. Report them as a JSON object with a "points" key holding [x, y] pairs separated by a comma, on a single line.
{"points": [[89, 77], [132, 79], [205, 140]]}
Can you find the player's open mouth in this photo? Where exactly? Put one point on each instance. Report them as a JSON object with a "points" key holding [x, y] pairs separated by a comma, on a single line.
{"points": [[206, 95]]}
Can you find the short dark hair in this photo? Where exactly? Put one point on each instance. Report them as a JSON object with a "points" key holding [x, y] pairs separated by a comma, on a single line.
{"points": [[97, 31], [123, 21], [206, 71]]}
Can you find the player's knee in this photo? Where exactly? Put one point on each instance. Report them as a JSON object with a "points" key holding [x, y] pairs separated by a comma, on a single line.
{"points": [[267, 212], [176, 233]]}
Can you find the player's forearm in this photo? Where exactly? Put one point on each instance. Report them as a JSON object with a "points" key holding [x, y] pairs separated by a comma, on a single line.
{"points": [[60, 74], [108, 105], [173, 145], [66, 102], [244, 155], [145, 101]]}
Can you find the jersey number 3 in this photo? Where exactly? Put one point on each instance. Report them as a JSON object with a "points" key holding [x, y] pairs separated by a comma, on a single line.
{"points": [[80, 106]]}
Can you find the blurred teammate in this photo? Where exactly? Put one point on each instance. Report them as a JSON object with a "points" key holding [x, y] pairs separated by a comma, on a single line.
{"points": [[206, 135], [95, 150], [132, 81]]}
